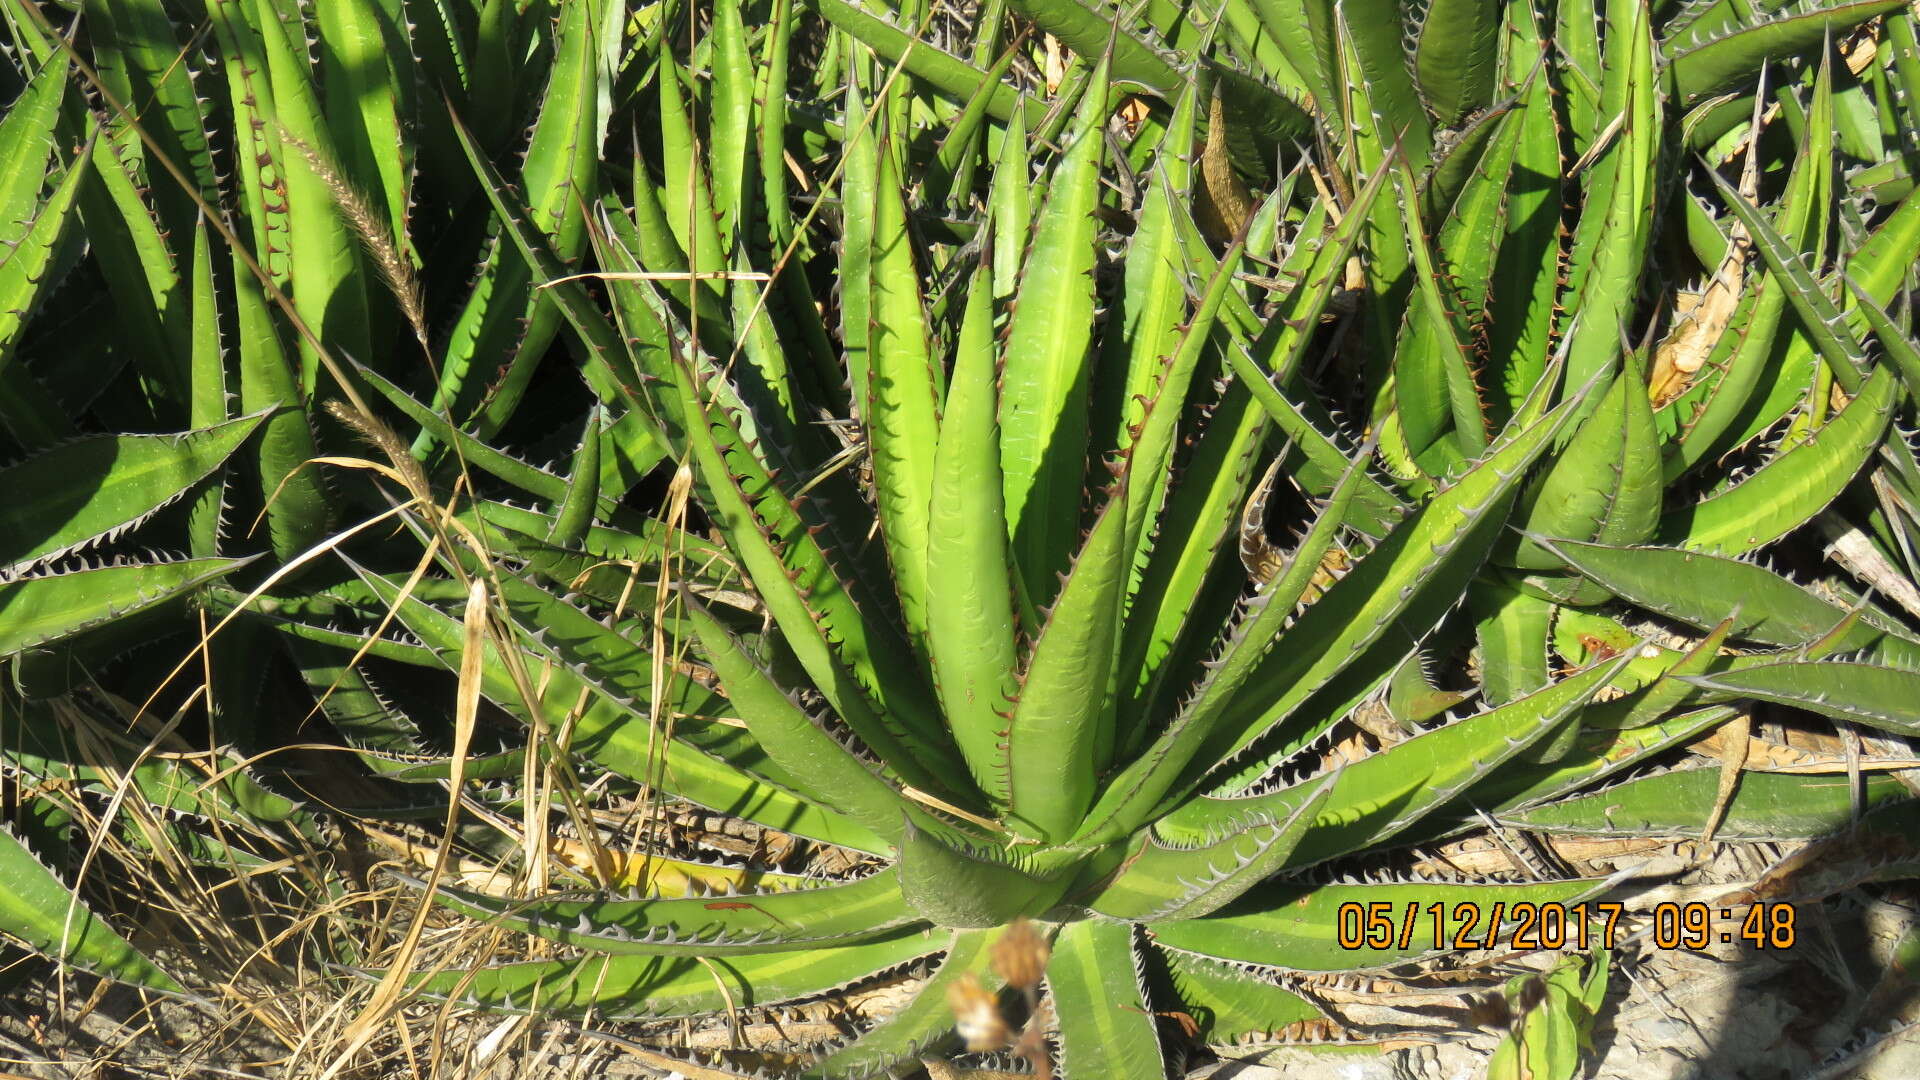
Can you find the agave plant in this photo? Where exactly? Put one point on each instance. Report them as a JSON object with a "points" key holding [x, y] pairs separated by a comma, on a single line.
{"points": [[159, 211], [976, 426], [1041, 659]]}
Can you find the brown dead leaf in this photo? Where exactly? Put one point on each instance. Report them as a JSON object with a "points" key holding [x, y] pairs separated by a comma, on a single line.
{"points": [[1733, 758], [1224, 203], [1801, 752], [1479, 855]]}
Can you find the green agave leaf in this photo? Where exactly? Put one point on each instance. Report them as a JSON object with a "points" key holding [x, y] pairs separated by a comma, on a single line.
{"points": [[207, 381], [395, 747], [1512, 628], [1178, 599], [921, 1024], [27, 149], [287, 612], [387, 740], [854, 656], [1106, 1026], [1607, 483], [804, 748], [1469, 218], [136, 50], [1044, 378], [1455, 167], [1412, 698], [902, 400], [1700, 590], [1064, 713], [600, 567], [475, 452], [1744, 352], [859, 183], [969, 889], [854, 659], [1906, 60], [504, 318], [1268, 117], [617, 735], [1373, 116], [714, 926], [1611, 238], [1382, 794], [365, 70], [1296, 927], [24, 275], [757, 364], [1697, 68], [1693, 24], [1427, 548], [1151, 301], [37, 908], [942, 70], [1598, 753], [1435, 364], [1766, 806], [1177, 881], [1155, 776], [262, 156], [1455, 52], [970, 637], [46, 607], [1666, 692], [132, 256], [1790, 489], [608, 369], [1152, 430], [1791, 257], [42, 746], [962, 147], [639, 987], [1230, 1002], [1524, 282], [96, 487], [729, 121], [602, 657], [1296, 321], [1010, 200], [296, 503], [1868, 694], [1835, 339], [1383, 86], [1898, 344], [325, 272], [574, 513], [1303, 32]]}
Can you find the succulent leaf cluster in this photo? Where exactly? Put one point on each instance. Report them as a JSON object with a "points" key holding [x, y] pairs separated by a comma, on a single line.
{"points": [[1122, 497]]}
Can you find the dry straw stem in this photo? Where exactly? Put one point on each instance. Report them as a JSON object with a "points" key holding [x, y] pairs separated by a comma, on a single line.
{"points": [[229, 932], [406, 471], [396, 270], [665, 655], [466, 709], [660, 275], [533, 836]]}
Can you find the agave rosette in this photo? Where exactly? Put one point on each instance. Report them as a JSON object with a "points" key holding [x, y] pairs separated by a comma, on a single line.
{"points": [[989, 410]]}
